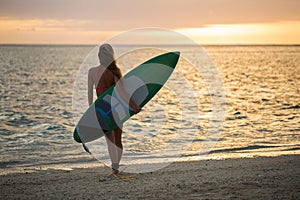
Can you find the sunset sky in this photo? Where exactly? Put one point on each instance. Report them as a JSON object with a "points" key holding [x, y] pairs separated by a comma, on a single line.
{"points": [[204, 21]]}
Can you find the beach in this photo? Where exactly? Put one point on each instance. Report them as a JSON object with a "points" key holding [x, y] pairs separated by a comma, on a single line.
{"points": [[243, 178]]}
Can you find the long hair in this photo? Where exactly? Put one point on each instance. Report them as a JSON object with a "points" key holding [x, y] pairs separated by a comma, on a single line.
{"points": [[107, 59]]}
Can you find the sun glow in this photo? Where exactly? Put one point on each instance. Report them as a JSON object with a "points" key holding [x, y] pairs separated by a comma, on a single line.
{"points": [[219, 30], [261, 33]]}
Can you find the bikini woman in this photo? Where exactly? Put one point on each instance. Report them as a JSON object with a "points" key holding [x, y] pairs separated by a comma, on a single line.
{"points": [[102, 77]]}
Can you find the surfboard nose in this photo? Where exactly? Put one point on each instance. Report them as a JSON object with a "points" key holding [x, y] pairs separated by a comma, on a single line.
{"points": [[173, 58], [176, 52], [169, 59]]}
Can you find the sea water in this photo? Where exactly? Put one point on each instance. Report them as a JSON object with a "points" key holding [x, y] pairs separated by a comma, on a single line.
{"points": [[261, 85]]}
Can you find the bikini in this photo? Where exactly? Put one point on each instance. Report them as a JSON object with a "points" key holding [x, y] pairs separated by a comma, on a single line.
{"points": [[102, 89]]}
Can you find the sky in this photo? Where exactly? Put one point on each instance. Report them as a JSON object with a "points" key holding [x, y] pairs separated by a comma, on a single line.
{"points": [[204, 21]]}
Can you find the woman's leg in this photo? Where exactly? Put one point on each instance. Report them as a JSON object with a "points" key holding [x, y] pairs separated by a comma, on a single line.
{"points": [[118, 142], [110, 140], [115, 148]]}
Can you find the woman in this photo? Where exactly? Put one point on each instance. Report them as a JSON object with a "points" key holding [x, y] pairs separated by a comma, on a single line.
{"points": [[102, 77]]}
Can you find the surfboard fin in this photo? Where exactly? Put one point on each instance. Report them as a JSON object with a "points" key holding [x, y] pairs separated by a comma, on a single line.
{"points": [[86, 149]]}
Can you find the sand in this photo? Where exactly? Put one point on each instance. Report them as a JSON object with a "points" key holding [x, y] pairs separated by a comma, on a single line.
{"points": [[246, 178]]}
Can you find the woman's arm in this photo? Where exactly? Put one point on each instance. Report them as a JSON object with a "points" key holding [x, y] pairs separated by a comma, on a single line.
{"points": [[136, 108], [90, 88]]}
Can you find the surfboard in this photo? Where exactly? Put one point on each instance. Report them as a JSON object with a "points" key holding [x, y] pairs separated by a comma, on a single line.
{"points": [[110, 110]]}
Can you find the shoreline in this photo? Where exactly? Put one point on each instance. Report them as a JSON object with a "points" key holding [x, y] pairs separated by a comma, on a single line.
{"points": [[88, 161], [242, 178]]}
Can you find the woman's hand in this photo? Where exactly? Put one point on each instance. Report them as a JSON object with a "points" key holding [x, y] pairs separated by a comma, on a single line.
{"points": [[136, 109]]}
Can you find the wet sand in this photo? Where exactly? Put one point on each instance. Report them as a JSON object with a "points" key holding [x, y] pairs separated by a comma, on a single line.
{"points": [[246, 178]]}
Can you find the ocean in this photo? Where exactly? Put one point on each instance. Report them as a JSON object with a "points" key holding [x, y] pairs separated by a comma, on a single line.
{"points": [[43, 94]]}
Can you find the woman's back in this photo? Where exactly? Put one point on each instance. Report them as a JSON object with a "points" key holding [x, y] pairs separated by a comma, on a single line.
{"points": [[101, 78], [106, 80]]}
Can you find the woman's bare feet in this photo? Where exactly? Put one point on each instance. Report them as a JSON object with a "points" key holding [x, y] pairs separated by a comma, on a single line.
{"points": [[115, 172]]}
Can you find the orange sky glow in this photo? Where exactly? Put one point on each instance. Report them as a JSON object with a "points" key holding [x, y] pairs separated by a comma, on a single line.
{"points": [[220, 22]]}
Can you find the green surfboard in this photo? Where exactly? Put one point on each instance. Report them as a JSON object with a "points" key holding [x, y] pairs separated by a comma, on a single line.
{"points": [[111, 110]]}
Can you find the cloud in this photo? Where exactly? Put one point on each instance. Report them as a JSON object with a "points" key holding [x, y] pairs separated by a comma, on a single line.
{"points": [[124, 15], [10, 24]]}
